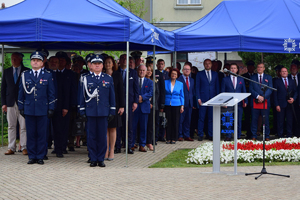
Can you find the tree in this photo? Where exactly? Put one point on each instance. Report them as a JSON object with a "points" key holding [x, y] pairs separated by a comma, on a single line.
{"points": [[271, 60], [137, 7]]}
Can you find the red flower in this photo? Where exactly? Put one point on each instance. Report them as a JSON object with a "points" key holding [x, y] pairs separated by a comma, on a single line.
{"points": [[251, 146]]}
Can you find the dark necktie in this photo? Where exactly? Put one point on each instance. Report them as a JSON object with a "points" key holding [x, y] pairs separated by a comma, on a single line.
{"points": [[285, 83], [123, 75], [233, 82], [208, 76], [36, 74], [259, 78], [140, 84], [187, 83], [16, 75], [295, 81]]}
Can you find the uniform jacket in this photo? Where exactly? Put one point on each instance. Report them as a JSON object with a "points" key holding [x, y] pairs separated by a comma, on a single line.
{"points": [[255, 89], [227, 86], [10, 89], [206, 90], [165, 75], [280, 96], [42, 98], [175, 98], [104, 103], [188, 94]]}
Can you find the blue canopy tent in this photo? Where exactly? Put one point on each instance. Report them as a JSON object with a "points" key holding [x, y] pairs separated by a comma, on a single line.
{"points": [[245, 25], [80, 25]]}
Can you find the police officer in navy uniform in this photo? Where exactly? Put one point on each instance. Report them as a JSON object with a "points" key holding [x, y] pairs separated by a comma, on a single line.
{"points": [[97, 103], [36, 102]]}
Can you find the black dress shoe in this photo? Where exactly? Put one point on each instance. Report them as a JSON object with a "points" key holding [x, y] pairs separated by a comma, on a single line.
{"points": [[71, 149], [168, 142], [53, 152], [89, 160], [93, 164], [118, 150], [46, 158], [210, 138], [31, 161], [65, 152], [200, 138], [101, 164], [130, 151], [84, 144], [40, 162], [173, 142], [59, 155]]}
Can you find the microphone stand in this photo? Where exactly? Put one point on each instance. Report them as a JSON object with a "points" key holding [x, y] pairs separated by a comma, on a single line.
{"points": [[263, 88]]}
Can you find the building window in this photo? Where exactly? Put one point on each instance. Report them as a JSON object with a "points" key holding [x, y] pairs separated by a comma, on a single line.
{"points": [[188, 2]]}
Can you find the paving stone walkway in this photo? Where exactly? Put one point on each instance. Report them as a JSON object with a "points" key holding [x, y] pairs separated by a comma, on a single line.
{"points": [[72, 178]]}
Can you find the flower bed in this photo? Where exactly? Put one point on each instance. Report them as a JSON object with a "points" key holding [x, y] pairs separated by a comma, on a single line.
{"points": [[280, 150]]}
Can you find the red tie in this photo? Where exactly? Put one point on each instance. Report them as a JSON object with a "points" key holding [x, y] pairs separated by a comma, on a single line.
{"points": [[187, 83], [285, 83]]}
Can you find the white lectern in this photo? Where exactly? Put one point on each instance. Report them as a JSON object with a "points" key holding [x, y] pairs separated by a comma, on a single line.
{"points": [[224, 99]]}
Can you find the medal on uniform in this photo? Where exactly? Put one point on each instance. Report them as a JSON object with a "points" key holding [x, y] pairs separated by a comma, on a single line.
{"points": [[41, 81]]}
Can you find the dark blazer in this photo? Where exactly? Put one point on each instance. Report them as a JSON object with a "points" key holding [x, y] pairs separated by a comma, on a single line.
{"points": [[133, 86], [65, 90], [160, 90], [297, 99], [280, 96], [227, 86], [146, 92], [119, 90], [188, 94], [175, 98], [206, 90], [255, 89], [10, 89]]}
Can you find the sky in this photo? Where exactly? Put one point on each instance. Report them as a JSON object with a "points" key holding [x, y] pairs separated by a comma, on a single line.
{"points": [[10, 2]]}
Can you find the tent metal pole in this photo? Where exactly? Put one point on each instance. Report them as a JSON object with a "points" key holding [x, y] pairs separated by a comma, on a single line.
{"points": [[153, 97], [127, 103], [174, 59], [2, 116]]}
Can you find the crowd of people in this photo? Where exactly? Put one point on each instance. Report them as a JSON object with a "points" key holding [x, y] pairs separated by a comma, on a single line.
{"points": [[60, 104]]}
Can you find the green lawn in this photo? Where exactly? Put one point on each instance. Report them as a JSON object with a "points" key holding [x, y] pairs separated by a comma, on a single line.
{"points": [[177, 159]]}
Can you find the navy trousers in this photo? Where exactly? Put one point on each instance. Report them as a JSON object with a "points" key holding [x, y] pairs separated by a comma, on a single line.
{"points": [[255, 116], [97, 137], [185, 122], [61, 131], [287, 113], [121, 134], [36, 129], [202, 113], [150, 127], [142, 119]]}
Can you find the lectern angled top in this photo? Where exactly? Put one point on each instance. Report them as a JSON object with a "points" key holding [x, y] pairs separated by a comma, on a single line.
{"points": [[226, 99]]}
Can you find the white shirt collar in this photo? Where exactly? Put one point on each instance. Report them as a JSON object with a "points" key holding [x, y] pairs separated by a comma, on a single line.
{"points": [[98, 74], [38, 72]]}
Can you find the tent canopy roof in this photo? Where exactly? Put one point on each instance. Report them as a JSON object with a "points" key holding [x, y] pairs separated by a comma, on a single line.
{"points": [[245, 25], [81, 25]]}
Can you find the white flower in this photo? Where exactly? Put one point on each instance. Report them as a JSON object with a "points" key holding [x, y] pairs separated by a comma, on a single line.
{"points": [[204, 153]]}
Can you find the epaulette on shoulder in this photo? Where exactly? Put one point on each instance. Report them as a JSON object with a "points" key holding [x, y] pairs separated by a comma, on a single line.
{"points": [[25, 71]]}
